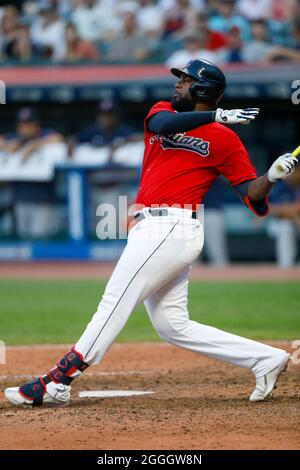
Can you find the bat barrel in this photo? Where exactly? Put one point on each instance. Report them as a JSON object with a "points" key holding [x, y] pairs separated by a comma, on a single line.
{"points": [[296, 152]]}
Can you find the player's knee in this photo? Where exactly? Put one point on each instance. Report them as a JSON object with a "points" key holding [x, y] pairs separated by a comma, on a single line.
{"points": [[169, 331], [163, 333]]}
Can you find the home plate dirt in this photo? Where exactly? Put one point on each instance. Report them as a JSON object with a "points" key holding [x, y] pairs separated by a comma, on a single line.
{"points": [[197, 404], [111, 393]]}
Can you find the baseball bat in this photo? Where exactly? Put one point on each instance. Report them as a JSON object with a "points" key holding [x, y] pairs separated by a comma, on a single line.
{"points": [[295, 154]]}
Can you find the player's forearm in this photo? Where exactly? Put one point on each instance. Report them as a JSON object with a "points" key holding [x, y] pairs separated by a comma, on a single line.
{"points": [[170, 123], [259, 188], [166, 122]]}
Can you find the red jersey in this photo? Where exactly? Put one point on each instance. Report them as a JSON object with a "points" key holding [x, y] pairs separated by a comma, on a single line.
{"points": [[178, 169]]}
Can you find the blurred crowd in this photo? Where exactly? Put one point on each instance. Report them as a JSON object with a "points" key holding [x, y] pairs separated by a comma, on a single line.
{"points": [[138, 31]]}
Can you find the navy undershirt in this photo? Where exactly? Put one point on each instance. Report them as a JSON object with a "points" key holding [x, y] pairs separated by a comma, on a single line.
{"points": [[166, 122]]}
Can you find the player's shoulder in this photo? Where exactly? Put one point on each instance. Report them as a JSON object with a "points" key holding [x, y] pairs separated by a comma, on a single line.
{"points": [[162, 106], [157, 108]]}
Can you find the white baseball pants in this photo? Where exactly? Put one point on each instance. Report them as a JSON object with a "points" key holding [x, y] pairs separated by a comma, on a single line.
{"points": [[154, 269]]}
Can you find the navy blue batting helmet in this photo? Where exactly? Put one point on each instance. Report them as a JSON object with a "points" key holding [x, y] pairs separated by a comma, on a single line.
{"points": [[210, 81]]}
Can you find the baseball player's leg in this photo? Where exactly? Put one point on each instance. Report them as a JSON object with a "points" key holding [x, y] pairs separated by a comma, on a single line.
{"points": [[167, 309], [148, 262]]}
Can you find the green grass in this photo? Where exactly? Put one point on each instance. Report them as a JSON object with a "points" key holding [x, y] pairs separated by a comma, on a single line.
{"points": [[48, 311]]}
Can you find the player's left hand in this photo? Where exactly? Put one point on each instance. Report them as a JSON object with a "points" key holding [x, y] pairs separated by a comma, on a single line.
{"points": [[236, 116], [282, 167]]}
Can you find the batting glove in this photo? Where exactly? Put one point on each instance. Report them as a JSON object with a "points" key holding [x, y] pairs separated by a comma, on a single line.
{"points": [[236, 116], [282, 167]]}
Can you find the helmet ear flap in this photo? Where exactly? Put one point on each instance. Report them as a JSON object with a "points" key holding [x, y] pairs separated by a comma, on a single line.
{"points": [[193, 92], [202, 93], [198, 92]]}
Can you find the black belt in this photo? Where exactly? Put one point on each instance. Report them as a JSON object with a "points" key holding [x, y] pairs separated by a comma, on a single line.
{"points": [[159, 213]]}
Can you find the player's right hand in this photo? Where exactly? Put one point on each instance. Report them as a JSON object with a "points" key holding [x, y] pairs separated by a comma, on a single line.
{"points": [[236, 116]]}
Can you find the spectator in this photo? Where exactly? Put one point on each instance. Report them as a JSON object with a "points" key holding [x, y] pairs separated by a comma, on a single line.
{"points": [[179, 17], [24, 50], [149, 18], [93, 21], [259, 47], [194, 49], [78, 49], [131, 44], [33, 201], [283, 54], [258, 50], [168, 5], [15, 41], [255, 9], [9, 31], [233, 53], [63, 7], [295, 9], [48, 34], [296, 34], [214, 40], [284, 10], [226, 17]]}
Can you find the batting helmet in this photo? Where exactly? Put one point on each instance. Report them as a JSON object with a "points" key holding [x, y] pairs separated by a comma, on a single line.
{"points": [[210, 81]]}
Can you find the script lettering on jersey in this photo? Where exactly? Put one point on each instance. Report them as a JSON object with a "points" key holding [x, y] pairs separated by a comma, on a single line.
{"points": [[181, 141]]}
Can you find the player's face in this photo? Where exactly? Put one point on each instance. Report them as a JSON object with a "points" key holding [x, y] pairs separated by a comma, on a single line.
{"points": [[181, 99]]}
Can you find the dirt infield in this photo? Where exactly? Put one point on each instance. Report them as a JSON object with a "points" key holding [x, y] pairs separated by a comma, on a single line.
{"points": [[97, 270], [197, 404]]}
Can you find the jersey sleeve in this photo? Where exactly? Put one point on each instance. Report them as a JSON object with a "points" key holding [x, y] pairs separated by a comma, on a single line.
{"points": [[158, 107], [235, 164], [236, 167]]}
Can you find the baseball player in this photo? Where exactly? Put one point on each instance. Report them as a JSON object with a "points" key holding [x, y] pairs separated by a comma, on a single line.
{"points": [[186, 148]]}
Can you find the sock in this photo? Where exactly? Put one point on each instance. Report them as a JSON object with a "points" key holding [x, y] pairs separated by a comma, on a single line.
{"points": [[67, 369]]}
